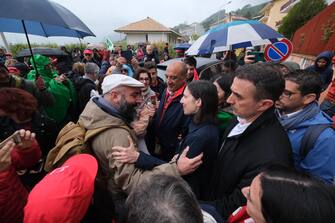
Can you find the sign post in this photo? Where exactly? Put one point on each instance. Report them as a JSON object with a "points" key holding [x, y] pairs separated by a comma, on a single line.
{"points": [[278, 51]]}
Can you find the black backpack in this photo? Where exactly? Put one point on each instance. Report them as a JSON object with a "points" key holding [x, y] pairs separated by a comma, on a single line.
{"points": [[311, 135]]}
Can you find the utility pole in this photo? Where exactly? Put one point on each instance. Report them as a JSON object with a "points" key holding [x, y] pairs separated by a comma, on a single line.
{"points": [[222, 7], [4, 41]]}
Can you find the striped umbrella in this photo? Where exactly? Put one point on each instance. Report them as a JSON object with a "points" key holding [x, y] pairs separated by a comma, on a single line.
{"points": [[233, 35]]}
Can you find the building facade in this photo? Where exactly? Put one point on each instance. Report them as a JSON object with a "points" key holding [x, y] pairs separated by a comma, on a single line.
{"points": [[148, 31]]}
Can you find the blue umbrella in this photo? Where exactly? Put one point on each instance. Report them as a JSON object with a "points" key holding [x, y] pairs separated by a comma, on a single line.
{"points": [[233, 35], [40, 17]]}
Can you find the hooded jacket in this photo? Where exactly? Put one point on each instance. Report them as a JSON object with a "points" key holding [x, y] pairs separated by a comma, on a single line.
{"points": [[325, 73], [320, 161], [119, 178], [84, 86], [290, 65], [64, 93], [13, 195]]}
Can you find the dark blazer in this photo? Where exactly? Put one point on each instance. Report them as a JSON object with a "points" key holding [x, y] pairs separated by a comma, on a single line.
{"points": [[165, 129], [242, 157], [201, 138]]}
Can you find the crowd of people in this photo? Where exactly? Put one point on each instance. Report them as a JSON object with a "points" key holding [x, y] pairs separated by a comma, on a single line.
{"points": [[111, 141]]}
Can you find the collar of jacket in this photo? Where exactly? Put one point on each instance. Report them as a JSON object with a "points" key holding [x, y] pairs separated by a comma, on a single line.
{"points": [[192, 127], [109, 109], [266, 116]]}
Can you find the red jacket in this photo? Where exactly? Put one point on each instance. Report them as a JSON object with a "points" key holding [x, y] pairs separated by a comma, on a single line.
{"points": [[13, 195]]}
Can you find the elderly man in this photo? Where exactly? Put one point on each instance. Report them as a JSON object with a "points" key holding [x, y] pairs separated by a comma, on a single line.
{"points": [[116, 109], [151, 55], [84, 85], [169, 121]]}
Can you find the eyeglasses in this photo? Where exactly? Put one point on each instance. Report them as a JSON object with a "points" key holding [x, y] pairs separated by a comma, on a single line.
{"points": [[289, 94], [87, 54]]}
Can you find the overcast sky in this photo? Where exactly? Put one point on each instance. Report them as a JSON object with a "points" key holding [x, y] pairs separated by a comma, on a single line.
{"points": [[103, 16]]}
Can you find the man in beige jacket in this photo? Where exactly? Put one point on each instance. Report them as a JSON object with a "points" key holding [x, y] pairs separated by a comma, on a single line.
{"points": [[116, 109]]}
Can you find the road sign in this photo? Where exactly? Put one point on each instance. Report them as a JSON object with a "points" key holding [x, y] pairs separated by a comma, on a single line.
{"points": [[278, 51]]}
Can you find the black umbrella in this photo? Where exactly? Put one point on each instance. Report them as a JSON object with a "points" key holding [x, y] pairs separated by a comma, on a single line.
{"points": [[45, 51], [40, 17]]}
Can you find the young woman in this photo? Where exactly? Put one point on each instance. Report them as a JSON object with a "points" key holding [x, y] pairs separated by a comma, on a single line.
{"points": [[200, 101], [281, 194], [225, 113]]}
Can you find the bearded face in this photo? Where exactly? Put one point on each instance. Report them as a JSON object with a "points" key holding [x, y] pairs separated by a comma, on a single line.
{"points": [[128, 110]]}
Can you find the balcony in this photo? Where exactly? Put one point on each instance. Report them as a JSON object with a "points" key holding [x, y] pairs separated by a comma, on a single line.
{"points": [[288, 5]]}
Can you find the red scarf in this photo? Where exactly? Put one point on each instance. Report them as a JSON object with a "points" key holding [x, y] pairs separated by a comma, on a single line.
{"points": [[168, 99], [195, 75]]}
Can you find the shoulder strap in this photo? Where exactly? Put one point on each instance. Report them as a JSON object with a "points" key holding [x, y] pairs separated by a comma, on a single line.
{"points": [[311, 135], [91, 133]]}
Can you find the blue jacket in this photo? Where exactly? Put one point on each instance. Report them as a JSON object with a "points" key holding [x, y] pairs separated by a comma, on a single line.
{"points": [[320, 161], [201, 138], [166, 130], [327, 72]]}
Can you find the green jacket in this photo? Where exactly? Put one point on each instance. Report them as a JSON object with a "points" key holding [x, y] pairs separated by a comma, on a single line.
{"points": [[64, 93], [223, 118]]}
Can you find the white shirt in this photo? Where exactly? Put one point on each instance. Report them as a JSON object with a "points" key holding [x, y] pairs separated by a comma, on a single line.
{"points": [[241, 126]]}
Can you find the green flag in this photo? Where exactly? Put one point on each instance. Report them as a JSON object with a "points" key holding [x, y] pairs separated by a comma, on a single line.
{"points": [[109, 43]]}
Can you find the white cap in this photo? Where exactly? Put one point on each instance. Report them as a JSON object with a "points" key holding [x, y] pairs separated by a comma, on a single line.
{"points": [[117, 80]]}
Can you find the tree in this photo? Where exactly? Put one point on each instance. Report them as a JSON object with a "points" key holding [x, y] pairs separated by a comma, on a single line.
{"points": [[299, 15]]}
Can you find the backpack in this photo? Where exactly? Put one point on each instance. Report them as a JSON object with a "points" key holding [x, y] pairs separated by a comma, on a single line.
{"points": [[72, 139], [311, 135]]}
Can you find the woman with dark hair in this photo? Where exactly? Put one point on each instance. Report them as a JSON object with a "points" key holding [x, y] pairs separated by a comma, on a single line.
{"points": [[143, 76], [19, 111], [200, 101], [225, 113], [146, 110], [281, 194]]}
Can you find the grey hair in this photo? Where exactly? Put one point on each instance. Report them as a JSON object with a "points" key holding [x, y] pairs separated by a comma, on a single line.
{"points": [[163, 199], [91, 68]]}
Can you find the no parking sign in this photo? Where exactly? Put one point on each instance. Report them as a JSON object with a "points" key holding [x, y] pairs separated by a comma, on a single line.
{"points": [[278, 51]]}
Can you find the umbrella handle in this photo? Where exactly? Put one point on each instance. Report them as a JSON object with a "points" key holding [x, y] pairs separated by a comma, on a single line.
{"points": [[31, 51]]}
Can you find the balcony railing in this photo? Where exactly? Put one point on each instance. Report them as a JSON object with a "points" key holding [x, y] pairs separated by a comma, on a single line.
{"points": [[288, 5]]}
